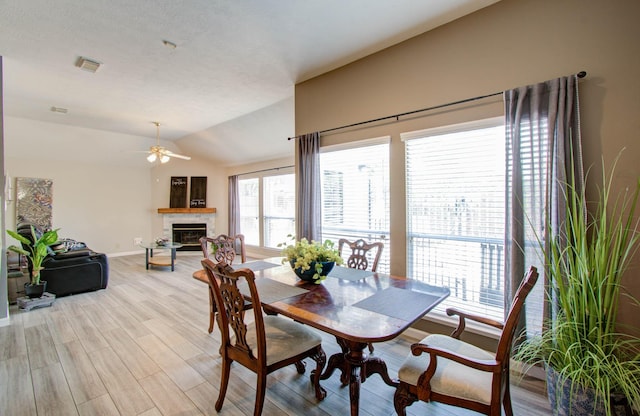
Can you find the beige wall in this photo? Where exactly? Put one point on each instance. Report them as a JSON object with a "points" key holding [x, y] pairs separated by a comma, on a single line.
{"points": [[509, 44]]}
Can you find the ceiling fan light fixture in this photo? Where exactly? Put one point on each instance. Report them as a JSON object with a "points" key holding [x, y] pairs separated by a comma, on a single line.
{"points": [[159, 153]]}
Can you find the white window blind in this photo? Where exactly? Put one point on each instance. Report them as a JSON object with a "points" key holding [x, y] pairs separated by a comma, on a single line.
{"points": [[355, 194], [455, 187]]}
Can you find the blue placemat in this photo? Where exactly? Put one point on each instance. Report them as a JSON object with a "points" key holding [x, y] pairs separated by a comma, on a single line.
{"points": [[347, 273], [398, 303]]}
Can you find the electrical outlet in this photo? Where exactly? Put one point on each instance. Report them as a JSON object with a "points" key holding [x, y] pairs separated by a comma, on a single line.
{"points": [[137, 241]]}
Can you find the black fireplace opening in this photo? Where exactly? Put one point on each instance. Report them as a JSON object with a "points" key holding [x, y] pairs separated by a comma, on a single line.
{"points": [[188, 235]]}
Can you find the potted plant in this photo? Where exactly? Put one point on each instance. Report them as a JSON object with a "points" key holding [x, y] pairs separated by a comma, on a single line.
{"points": [[311, 260], [37, 250], [590, 364]]}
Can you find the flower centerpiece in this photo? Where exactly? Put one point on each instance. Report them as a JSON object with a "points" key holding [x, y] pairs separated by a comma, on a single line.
{"points": [[311, 260]]}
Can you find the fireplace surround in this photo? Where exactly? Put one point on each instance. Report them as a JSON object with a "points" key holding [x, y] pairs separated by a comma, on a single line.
{"points": [[187, 216], [188, 234]]}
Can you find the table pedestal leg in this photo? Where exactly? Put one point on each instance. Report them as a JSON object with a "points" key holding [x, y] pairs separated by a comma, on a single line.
{"points": [[355, 367], [146, 258]]}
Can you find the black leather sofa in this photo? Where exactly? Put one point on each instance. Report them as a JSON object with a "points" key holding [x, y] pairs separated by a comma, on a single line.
{"points": [[71, 267]]}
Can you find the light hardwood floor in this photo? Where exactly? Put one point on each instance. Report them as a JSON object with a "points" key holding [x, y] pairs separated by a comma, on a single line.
{"points": [[141, 347]]}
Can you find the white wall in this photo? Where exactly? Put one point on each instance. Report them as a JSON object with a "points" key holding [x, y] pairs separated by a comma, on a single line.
{"points": [[97, 201]]}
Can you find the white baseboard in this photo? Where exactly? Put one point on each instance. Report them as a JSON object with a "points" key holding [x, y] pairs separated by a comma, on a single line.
{"points": [[5, 321]]}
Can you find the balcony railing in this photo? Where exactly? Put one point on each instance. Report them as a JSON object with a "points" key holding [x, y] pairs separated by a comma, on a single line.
{"points": [[472, 267]]}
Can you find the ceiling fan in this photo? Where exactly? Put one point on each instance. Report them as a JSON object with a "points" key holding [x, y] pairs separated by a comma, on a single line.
{"points": [[160, 153]]}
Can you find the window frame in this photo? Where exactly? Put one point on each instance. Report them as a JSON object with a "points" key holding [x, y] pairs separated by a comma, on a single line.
{"points": [[385, 261], [438, 315], [260, 175]]}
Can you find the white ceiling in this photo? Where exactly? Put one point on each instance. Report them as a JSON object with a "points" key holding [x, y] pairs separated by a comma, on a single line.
{"points": [[233, 58]]}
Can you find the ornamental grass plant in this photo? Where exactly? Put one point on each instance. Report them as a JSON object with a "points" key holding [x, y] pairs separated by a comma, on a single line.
{"points": [[304, 254], [584, 269]]}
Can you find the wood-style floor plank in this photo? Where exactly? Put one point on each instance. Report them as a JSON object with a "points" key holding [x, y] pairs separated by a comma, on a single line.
{"points": [[16, 387], [81, 375], [100, 406], [40, 346], [53, 397], [169, 399], [128, 396], [141, 347], [134, 358]]}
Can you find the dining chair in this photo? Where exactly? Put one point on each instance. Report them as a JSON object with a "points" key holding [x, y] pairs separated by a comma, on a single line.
{"points": [[360, 255], [222, 248], [445, 369], [264, 344]]}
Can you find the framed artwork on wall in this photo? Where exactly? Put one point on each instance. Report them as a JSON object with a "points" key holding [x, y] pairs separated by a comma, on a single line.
{"points": [[198, 196], [178, 194], [34, 202]]}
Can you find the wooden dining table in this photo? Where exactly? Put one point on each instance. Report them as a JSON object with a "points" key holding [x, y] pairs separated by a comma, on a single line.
{"points": [[355, 306]]}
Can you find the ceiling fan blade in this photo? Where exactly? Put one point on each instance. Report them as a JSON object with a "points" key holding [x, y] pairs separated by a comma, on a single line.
{"points": [[171, 154]]}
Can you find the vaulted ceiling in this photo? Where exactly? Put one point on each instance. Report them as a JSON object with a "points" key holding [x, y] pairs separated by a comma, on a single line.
{"points": [[202, 68]]}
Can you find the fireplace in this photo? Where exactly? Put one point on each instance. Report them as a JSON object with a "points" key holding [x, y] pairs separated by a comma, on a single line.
{"points": [[188, 235]]}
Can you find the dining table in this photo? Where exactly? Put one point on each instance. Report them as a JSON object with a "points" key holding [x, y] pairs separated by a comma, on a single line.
{"points": [[357, 307]]}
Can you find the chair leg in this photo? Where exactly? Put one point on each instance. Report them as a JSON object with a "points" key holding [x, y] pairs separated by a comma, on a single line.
{"points": [[321, 359], [224, 382], [402, 398], [212, 309], [261, 388]]}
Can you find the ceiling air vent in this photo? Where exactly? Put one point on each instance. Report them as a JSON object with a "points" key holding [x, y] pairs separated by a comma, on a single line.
{"points": [[87, 64]]}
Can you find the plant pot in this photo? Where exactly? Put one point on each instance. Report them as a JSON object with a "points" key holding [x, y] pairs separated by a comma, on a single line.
{"points": [[307, 275], [35, 291], [568, 400]]}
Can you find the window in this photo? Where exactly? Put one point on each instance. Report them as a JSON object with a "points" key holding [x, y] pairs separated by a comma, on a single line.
{"points": [[279, 209], [355, 194], [250, 210], [267, 208], [455, 186]]}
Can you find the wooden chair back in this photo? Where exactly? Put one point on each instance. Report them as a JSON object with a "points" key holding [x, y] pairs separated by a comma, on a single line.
{"points": [[223, 248], [361, 253], [263, 344], [227, 295]]}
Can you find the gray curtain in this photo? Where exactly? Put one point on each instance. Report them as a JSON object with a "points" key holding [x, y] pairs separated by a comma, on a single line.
{"points": [[234, 206], [543, 147], [308, 208]]}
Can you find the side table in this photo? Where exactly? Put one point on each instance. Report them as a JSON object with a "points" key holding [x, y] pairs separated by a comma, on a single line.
{"points": [[148, 255]]}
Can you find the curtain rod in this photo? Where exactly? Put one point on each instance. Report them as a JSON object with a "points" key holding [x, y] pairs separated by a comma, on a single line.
{"points": [[264, 170], [580, 74]]}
